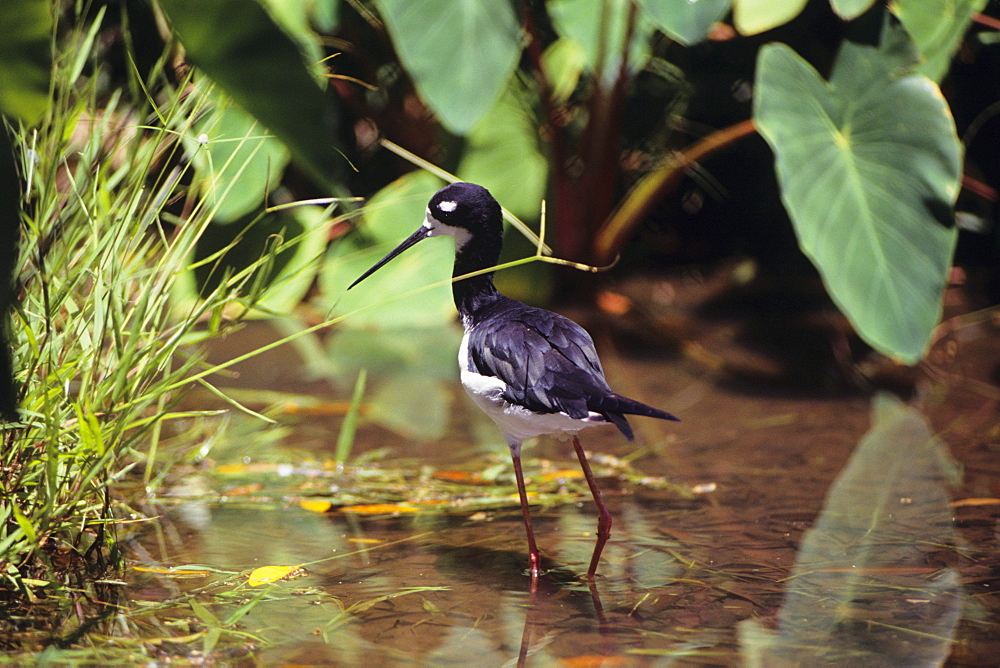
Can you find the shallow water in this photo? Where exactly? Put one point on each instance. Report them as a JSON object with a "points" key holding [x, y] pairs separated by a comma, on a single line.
{"points": [[815, 534]]}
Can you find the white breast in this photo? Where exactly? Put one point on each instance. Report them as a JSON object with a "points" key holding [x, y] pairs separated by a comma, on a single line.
{"points": [[516, 422]]}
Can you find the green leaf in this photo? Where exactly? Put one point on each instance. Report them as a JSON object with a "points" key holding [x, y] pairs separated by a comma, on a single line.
{"points": [[563, 62], [238, 45], [295, 18], [238, 162], [756, 16], [869, 167], [427, 352], [305, 232], [851, 9], [413, 406], [502, 155], [600, 28], [459, 54], [25, 523], [685, 21], [937, 26], [391, 215], [25, 58], [297, 238], [412, 373]]}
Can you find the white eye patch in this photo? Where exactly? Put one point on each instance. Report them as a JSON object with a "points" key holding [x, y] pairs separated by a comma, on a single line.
{"points": [[448, 206]]}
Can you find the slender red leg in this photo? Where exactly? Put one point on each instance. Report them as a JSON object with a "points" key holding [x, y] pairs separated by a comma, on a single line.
{"points": [[603, 518], [534, 561]]}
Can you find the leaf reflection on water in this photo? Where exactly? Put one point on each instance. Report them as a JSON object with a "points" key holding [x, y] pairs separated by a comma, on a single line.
{"points": [[865, 586]]}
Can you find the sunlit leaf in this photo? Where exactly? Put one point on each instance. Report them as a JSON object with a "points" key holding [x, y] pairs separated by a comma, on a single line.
{"points": [[869, 167], [937, 27], [391, 216], [295, 18], [851, 9], [502, 154], [756, 16], [413, 406], [687, 22], [245, 53], [237, 161], [25, 58], [32, 582], [241, 468], [315, 506], [297, 237], [429, 352], [266, 574], [379, 509], [600, 29], [563, 62], [463, 477], [564, 474], [459, 54]]}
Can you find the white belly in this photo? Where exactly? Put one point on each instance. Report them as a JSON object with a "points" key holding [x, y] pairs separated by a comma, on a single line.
{"points": [[516, 422]]}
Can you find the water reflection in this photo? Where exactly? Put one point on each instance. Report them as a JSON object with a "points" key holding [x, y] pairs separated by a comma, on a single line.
{"points": [[865, 587], [761, 571]]}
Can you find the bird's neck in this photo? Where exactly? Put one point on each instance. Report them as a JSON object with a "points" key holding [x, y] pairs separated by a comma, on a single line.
{"points": [[477, 292]]}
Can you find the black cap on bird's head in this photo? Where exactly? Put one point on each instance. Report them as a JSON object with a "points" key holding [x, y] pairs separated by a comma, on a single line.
{"points": [[465, 211]]}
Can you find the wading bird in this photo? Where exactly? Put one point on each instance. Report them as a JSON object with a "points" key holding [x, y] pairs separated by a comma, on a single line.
{"points": [[532, 371]]}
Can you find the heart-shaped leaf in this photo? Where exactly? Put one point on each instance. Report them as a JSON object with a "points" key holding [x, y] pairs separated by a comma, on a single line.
{"points": [[851, 9], [459, 54], [686, 21], [391, 215], [239, 46], [756, 16], [502, 154], [238, 162], [869, 167], [937, 26], [600, 29]]}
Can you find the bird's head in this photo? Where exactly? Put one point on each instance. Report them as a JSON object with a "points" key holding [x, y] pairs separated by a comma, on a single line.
{"points": [[464, 211]]}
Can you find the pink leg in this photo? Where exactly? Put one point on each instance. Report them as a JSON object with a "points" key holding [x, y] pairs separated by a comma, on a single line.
{"points": [[603, 518], [534, 561]]}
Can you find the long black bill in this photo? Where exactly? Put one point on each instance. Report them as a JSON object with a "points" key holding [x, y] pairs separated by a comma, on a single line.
{"points": [[419, 235]]}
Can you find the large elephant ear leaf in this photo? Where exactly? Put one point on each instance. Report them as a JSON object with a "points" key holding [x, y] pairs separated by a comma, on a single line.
{"points": [[459, 54], [869, 165]]}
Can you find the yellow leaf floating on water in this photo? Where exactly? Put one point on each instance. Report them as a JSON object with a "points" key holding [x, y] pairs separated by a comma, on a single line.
{"points": [[560, 475], [315, 506], [379, 509], [974, 502], [266, 574], [464, 477]]}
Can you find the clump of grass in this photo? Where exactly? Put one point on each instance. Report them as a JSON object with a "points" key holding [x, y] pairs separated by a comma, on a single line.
{"points": [[101, 360]]}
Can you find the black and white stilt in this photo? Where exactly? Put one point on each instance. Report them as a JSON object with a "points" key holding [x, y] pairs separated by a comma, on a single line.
{"points": [[532, 371]]}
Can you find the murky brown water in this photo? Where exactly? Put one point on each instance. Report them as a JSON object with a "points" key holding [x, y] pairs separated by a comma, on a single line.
{"points": [[802, 548]]}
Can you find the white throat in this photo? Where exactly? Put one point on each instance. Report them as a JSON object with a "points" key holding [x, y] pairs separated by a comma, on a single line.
{"points": [[439, 229]]}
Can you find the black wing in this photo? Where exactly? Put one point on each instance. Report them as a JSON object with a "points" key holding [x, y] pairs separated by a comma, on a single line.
{"points": [[549, 365]]}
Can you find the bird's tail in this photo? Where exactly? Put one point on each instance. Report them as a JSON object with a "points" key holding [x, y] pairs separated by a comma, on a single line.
{"points": [[615, 407]]}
